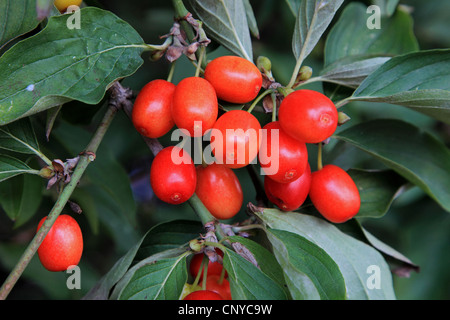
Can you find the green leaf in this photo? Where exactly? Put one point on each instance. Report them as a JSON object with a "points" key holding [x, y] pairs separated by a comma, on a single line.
{"points": [[350, 36], [377, 190], [61, 64], [102, 288], [21, 197], [418, 80], [313, 18], [248, 282], [265, 259], [387, 7], [388, 250], [251, 19], [309, 271], [294, 6], [226, 22], [19, 136], [417, 156], [168, 235], [353, 257], [17, 17], [10, 167], [351, 71], [159, 277]]}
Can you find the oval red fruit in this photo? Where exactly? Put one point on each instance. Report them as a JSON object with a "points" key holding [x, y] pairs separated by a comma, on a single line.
{"points": [[289, 196], [194, 106], [235, 138], [172, 175], [235, 79], [334, 194], [308, 116], [62, 246], [289, 158], [218, 285], [203, 295], [214, 268], [220, 190], [151, 114]]}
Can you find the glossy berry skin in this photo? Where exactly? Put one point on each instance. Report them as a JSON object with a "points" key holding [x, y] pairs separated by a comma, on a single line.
{"points": [[172, 175], [62, 246], [213, 283], [291, 158], [214, 268], [308, 116], [334, 194], [203, 295], [236, 138], [235, 79], [220, 190], [62, 5], [194, 100], [289, 196], [152, 114]]}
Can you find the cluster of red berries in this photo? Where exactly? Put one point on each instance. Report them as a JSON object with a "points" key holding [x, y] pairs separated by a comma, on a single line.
{"points": [[216, 287], [237, 139]]}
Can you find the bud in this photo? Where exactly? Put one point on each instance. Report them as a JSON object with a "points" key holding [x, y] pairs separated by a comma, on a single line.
{"points": [[342, 118], [305, 73], [196, 245], [46, 173], [156, 55], [264, 64]]}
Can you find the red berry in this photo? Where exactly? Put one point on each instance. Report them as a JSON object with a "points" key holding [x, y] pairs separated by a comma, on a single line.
{"points": [[308, 116], [235, 138], [289, 162], [334, 194], [214, 268], [222, 287], [172, 175], [152, 115], [289, 196], [203, 295], [220, 190], [194, 101], [63, 245], [235, 79]]}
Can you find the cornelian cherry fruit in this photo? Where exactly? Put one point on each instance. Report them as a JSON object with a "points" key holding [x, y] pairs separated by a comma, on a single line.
{"points": [[194, 106], [220, 190], [308, 116], [334, 194], [289, 158], [62, 246], [62, 5], [214, 268], [152, 115], [203, 295], [235, 138], [217, 284], [235, 79], [172, 175], [289, 196]]}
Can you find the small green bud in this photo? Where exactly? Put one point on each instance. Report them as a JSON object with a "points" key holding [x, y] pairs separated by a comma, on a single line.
{"points": [[305, 73], [196, 245], [264, 64], [342, 118], [46, 173]]}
